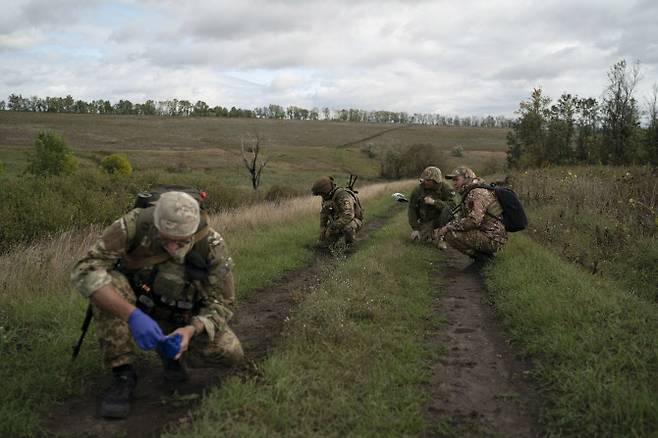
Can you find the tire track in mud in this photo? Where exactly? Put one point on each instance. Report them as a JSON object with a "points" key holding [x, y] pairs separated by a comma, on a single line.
{"points": [[477, 386], [258, 322]]}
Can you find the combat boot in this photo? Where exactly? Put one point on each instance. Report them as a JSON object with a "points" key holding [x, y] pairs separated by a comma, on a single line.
{"points": [[175, 370], [116, 403]]}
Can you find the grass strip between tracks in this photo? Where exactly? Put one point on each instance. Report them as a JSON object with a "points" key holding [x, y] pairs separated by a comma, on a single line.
{"points": [[351, 359], [40, 318], [594, 347]]}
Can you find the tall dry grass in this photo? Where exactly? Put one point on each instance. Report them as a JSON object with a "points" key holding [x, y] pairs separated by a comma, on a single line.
{"points": [[43, 267]]}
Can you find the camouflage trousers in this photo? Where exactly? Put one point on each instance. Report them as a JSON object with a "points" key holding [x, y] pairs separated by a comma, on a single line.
{"points": [[119, 349], [426, 229], [349, 232], [473, 242]]}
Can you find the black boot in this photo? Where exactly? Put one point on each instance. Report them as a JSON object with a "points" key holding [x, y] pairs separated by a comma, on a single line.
{"points": [[480, 260], [116, 403], [175, 370]]}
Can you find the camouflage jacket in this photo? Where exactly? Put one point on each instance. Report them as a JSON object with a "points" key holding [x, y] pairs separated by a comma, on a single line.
{"points": [[480, 210], [339, 209], [419, 212], [210, 296]]}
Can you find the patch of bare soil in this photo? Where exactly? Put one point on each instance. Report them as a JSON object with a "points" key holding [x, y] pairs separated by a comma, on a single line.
{"points": [[478, 388], [258, 323]]}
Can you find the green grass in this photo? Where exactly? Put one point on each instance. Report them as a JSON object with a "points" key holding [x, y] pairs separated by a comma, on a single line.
{"points": [[352, 357], [40, 322], [593, 345]]}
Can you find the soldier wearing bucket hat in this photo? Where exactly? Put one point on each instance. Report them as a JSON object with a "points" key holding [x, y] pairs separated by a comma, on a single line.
{"points": [[430, 204], [158, 270]]}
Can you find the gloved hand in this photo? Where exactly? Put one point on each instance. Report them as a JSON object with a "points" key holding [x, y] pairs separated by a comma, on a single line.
{"points": [[415, 235], [170, 345], [145, 330], [429, 200]]}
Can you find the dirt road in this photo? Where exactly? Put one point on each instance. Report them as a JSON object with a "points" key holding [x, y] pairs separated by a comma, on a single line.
{"points": [[478, 388]]}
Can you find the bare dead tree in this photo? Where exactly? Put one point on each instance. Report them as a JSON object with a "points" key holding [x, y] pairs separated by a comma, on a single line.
{"points": [[253, 160]]}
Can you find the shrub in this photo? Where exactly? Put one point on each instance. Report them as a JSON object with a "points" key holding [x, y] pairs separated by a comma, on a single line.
{"points": [[409, 162], [457, 151], [278, 193], [52, 156], [117, 164]]}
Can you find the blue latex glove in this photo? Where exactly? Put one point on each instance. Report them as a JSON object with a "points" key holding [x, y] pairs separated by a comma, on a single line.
{"points": [[170, 346], [145, 330]]}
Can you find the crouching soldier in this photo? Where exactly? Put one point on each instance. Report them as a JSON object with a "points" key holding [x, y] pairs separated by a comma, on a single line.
{"points": [[477, 229], [341, 215], [430, 205], [159, 270]]}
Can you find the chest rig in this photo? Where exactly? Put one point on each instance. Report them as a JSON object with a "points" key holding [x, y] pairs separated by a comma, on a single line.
{"points": [[161, 285]]}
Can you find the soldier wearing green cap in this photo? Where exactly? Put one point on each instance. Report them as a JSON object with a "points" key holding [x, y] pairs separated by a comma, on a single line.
{"points": [[159, 270], [430, 204], [341, 215]]}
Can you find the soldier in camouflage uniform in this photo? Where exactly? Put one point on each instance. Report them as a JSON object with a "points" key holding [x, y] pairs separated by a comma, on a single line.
{"points": [[477, 229], [430, 204], [341, 215], [153, 271]]}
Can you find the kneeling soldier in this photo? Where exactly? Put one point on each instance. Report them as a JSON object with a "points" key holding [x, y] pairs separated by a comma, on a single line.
{"points": [[341, 215], [477, 230], [154, 269], [430, 205]]}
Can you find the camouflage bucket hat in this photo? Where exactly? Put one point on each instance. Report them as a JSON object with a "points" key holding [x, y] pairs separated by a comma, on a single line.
{"points": [[176, 214], [322, 185], [463, 171], [431, 173]]}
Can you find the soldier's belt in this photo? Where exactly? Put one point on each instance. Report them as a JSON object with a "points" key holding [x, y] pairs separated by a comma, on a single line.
{"points": [[152, 299]]}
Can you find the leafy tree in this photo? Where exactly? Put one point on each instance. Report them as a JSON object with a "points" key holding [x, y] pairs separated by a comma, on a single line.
{"points": [[527, 137], [16, 103], [651, 142], [558, 145], [587, 135], [621, 118], [3, 105], [51, 156], [117, 164]]}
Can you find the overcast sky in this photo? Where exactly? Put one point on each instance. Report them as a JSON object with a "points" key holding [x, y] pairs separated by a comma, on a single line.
{"points": [[451, 57]]}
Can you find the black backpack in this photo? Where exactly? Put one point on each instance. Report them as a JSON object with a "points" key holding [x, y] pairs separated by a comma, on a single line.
{"points": [[514, 218], [146, 199]]}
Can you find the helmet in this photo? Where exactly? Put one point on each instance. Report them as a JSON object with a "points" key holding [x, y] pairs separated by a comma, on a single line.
{"points": [[431, 173], [463, 171], [323, 185], [176, 214]]}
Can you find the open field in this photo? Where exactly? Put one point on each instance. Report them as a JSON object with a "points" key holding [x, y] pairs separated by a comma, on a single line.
{"points": [[213, 144]]}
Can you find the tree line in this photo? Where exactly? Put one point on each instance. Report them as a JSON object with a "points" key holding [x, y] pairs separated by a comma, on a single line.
{"points": [[586, 130], [185, 108]]}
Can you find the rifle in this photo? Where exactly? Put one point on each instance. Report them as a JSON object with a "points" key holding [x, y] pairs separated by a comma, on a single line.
{"points": [[85, 326], [351, 182]]}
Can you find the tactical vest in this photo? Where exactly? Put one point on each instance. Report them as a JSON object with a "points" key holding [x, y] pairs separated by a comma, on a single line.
{"points": [[156, 279]]}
